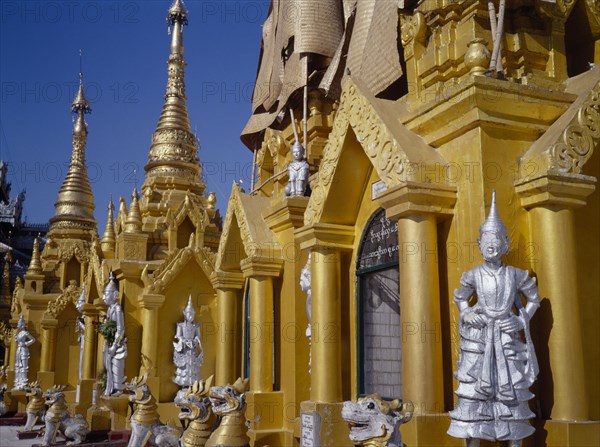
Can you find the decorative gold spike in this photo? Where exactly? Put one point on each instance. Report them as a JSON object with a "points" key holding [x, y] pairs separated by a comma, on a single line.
{"points": [[108, 238], [133, 224], [35, 266]]}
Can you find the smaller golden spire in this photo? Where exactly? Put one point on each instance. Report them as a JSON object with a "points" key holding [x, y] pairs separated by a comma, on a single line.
{"points": [[133, 224], [35, 266], [108, 238]]}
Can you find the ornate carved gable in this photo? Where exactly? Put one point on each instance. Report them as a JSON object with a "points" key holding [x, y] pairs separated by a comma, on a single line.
{"points": [[397, 154], [157, 281], [195, 211], [57, 306], [569, 143], [245, 213]]}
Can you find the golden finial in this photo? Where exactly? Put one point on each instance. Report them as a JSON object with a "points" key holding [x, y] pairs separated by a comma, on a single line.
{"points": [[133, 224], [35, 266], [108, 238]]}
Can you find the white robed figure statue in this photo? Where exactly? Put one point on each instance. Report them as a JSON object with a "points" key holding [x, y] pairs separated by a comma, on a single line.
{"points": [[115, 346], [187, 354], [24, 340], [497, 362]]}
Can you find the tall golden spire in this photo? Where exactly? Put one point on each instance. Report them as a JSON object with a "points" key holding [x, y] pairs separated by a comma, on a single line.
{"points": [[174, 148], [74, 207], [108, 238]]}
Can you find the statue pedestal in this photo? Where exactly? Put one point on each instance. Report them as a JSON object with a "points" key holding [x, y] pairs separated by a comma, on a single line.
{"points": [[86, 389], [556, 433], [429, 430], [118, 406], [322, 424], [18, 400]]}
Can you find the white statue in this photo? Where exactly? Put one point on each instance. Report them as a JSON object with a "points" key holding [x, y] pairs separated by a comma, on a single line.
{"points": [[80, 338], [305, 286], [115, 346], [187, 355], [298, 172], [24, 340], [497, 362]]}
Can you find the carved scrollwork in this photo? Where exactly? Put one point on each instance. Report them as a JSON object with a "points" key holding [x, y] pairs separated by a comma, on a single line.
{"points": [[82, 254], [381, 148], [56, 307], [577, 142], [413, 29], [555, 9]]}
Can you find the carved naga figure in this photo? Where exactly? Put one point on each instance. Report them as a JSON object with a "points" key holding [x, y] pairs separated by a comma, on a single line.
{"points": [[195, 408], [3, 409], [145, 422], [58, 420], [229, 403], [375, 422], [36, 407]]}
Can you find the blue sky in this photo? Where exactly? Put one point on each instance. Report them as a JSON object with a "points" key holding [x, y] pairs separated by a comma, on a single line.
{"points": [[125, 46]]}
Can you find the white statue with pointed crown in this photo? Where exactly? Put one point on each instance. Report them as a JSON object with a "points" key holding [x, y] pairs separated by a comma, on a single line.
{"points": [[115, 346], [187, 354], [24, 340], [497, 362]]}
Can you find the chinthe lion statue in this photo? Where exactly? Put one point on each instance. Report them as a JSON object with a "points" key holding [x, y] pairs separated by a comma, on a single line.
{"points": [[36, 406], [59, 421], [375, 422], [145, 421], [229, 403], [195, 410]]}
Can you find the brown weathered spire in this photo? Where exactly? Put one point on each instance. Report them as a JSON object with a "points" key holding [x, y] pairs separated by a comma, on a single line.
{"points": [[133, 224], [35, 266], [74, 207], [108, 238]]}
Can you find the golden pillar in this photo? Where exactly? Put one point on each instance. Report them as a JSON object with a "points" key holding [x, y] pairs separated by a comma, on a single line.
{"points": [[417, 207], [48, 355], [326, 243], [550, 200], [261, 271], [90, 341], [150, 306], [228, 286]]}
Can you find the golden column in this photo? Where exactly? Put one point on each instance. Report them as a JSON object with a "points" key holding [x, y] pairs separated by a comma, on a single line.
{"points": [[550, 200], [90, 341], [326, 241], [48, 355], [261, 271], [228, 286], [417, 207], [150, 303]]}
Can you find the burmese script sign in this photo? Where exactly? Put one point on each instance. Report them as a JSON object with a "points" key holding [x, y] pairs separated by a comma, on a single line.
{"points": [[380, 242], [309, 430]]}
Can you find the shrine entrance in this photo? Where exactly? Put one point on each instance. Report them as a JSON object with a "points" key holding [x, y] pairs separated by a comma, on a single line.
{"points": [[378, 309]]}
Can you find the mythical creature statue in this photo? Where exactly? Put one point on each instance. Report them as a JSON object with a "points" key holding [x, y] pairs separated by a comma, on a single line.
{"points": [[229, 403], [145, 421], [497, 362], [36, 406], [115, 346], [195, 409], [375, 422], [187, 354], [24, 340], [3, 387], [58, 419]]}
